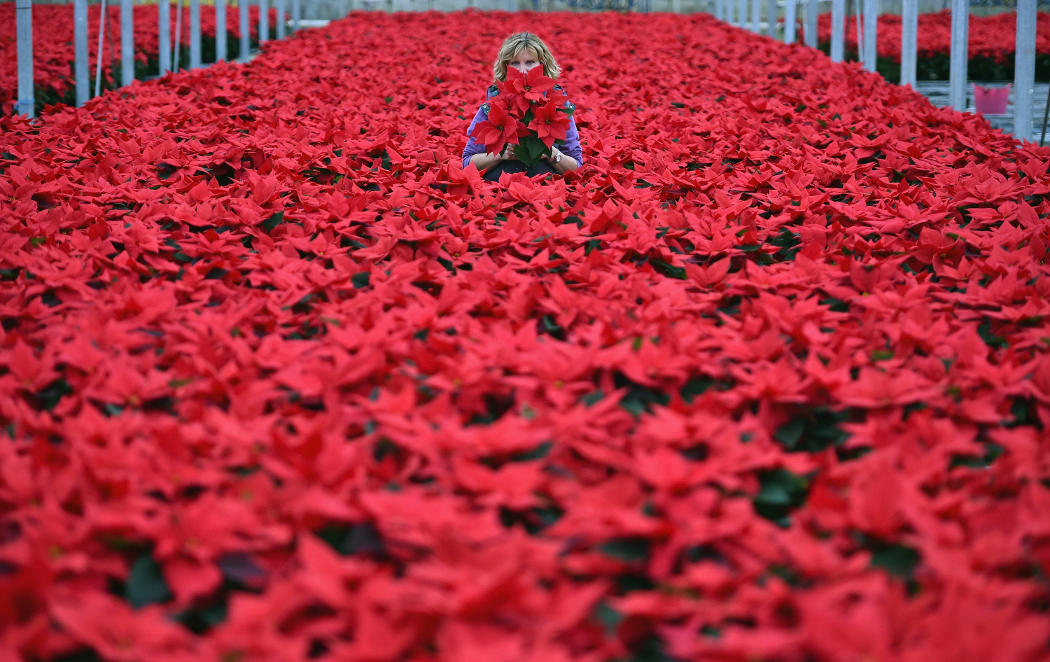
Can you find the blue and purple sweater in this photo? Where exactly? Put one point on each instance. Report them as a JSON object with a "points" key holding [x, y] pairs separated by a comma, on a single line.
{"points": [[570, 146]]}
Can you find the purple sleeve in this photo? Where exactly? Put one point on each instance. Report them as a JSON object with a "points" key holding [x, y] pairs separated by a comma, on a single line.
{"points": [[473, 147], [572, 142]]}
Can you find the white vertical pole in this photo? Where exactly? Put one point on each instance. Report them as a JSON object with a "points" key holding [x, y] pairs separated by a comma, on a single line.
{"points": [[789, 21], [24, 27], [1024, 69], [195, 34], [811, 24], [176, 46], [102, 23], [719, 14], [771, 16], [280, 18], [127, 43], [297, 13], [741, 13], [756, 15], [676, 6], [264, 22], [959, 54], [245, 28], [164, 30], [838, 14], [871, 28], [80, 46], [858, 16], [220, 30], [909, 41]]}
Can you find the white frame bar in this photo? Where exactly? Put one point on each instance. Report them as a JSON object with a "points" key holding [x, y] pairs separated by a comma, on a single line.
{"points": [[959, 54], [909, 41], [1024, 69], [264, 22], [838, 15], [102, 25], [24, 26], [164, 33], [195, 34], [810, 27], [127, 43], [871, 36], [80, 47], [220, 31], [790, 19], [245, 28]]}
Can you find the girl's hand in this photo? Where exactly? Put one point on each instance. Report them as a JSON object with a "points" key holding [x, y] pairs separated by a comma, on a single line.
{"points": [[507, 153]]}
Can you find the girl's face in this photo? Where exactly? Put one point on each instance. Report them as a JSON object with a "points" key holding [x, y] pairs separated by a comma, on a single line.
{"points": [[524, 60]]}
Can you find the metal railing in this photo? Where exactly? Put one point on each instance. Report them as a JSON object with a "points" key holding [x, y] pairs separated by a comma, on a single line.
{"points": [[1024, 59], [168, 55]]}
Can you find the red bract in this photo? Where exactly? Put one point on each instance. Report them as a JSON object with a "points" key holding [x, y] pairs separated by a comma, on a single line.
{"points": [[766, 378], [501, 127], [549, 122], [524, 115]]}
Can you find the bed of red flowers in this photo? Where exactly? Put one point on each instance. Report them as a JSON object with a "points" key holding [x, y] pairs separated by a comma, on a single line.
{"points": [[991, 45], [767, 378], [53, 51]]}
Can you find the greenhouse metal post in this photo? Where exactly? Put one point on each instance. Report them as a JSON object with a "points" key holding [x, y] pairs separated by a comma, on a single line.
{"points": [[838, 15], [789, 21], [1024, 69], [127, 43], [245, 28], [195, 34], [164, 32], [810, 28], [80, 48], [264, 22], [102, 23], [909, 41], [24, 27], [871, 28], [959, 53], [220, 31]]}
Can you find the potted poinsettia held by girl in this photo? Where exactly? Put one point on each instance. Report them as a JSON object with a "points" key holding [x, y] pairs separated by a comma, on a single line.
{"points": [[526, 124]]}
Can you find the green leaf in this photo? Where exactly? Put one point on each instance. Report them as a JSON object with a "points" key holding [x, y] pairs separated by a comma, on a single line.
{"points": [[898, 560], [273, 221], [530, 149], [361, 279], [780, 492], [985, 331], [592, 398], [629, 548], [145, 584], [812, 429], [537, 453], [608, 617]]}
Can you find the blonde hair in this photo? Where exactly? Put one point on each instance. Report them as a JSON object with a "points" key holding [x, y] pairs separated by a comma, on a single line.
{"points": [[518, 42]]}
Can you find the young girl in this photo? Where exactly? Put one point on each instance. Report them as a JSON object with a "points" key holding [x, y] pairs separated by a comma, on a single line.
{"points": [[523, 51]]}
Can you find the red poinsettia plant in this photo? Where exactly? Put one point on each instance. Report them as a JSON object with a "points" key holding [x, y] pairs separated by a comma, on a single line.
{"points": [[525, 115]]}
